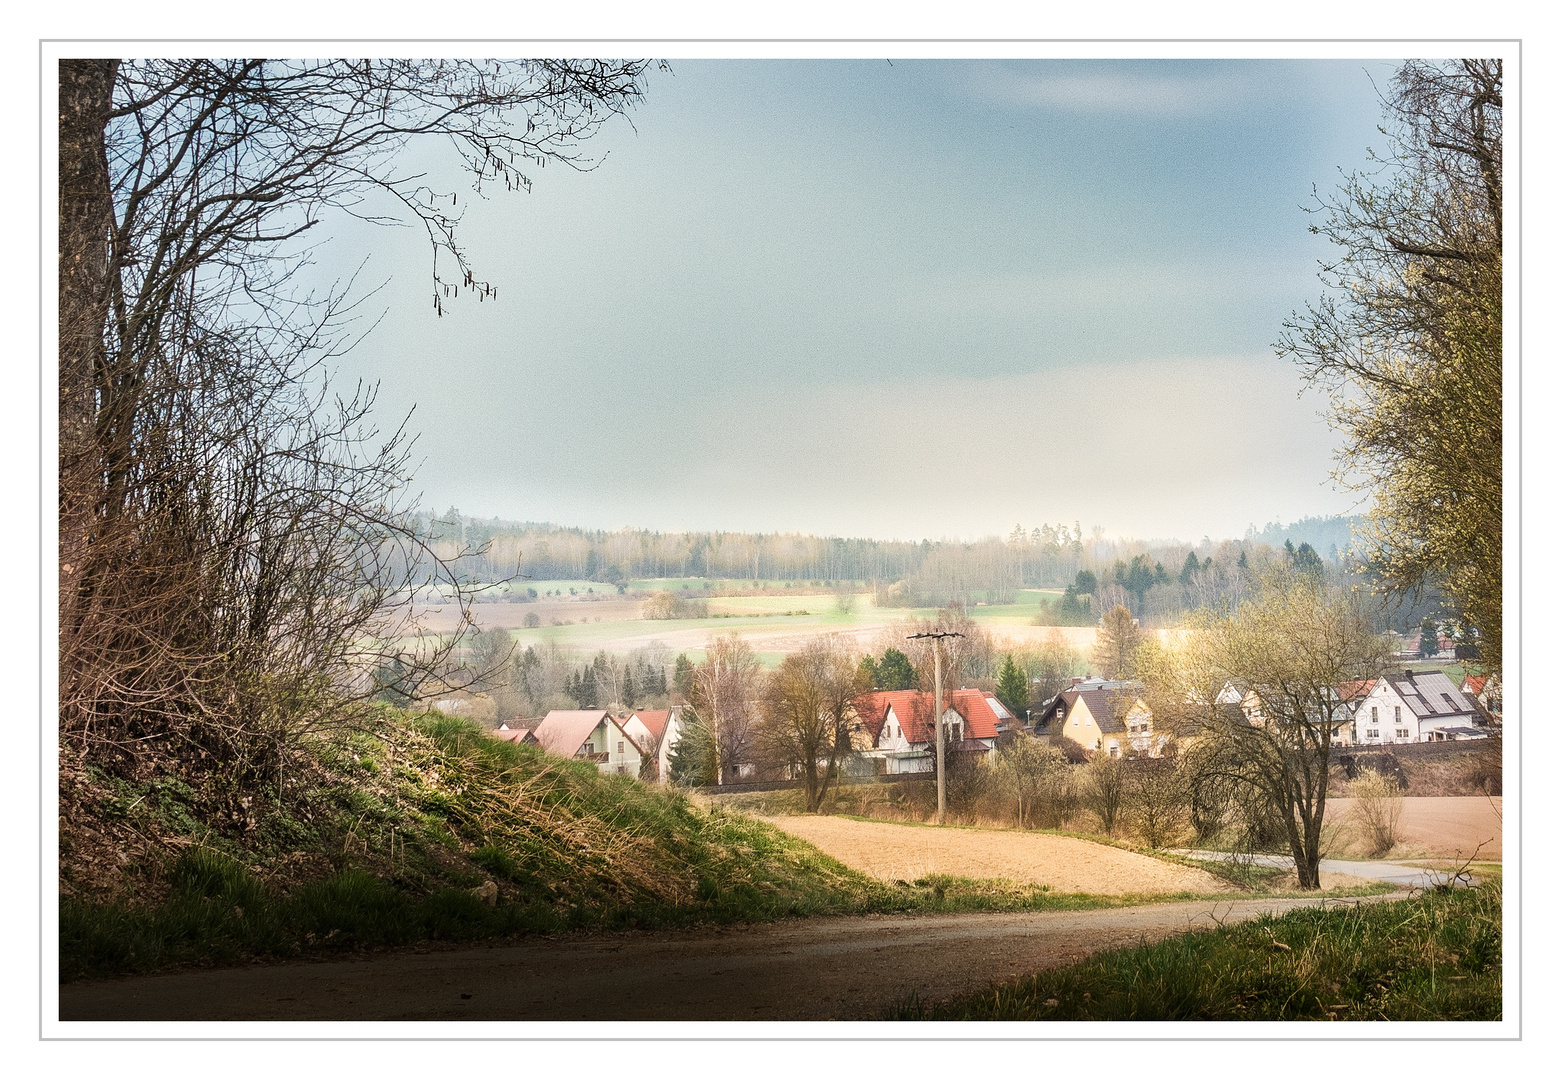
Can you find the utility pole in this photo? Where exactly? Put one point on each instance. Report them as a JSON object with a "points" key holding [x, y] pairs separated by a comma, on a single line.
{"points": [[937, 700]]}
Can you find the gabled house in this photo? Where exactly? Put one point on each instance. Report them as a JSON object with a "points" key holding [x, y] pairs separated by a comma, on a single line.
{"points": [[1411, 706], [518, 731], [1485, 692], [592, 735], [1105, 716], [898, 725], [657, 731]]}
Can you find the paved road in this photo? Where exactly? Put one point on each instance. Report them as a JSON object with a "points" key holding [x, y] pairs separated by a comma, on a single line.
{"points": [[1405, 877], [816, 969]]}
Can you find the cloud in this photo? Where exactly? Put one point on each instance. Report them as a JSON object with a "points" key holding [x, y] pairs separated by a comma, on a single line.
{"points": [[1116, 92]]}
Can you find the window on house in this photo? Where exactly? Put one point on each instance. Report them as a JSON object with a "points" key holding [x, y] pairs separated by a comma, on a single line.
{"points": [[1372, 733], [1398, 714], [1402, 733], [1373, 714], [620, 746], [590, 748]]}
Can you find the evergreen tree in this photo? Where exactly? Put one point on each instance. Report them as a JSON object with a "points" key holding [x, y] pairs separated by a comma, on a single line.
{"points": [[1308, 562], [1430, 644], [1084, 583], [895, 671], [867, 672], [1013, 688], [1189, 568], [683, 676]]}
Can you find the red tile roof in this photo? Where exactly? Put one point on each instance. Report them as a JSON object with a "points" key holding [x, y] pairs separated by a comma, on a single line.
{"points": [[913, 709], [655, 720], [1475, 683], [1359, 688], [980, 718]]}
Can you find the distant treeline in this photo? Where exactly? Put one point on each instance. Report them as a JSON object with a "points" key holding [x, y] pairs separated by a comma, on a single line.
{"points": [[902, 573]]}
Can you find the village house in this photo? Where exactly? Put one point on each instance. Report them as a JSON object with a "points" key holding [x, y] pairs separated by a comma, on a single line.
{"points": [[1410, 706], [1485, 692], [657, 731], [898, 726], [590, 735], [1103, 715], [518, 731]]}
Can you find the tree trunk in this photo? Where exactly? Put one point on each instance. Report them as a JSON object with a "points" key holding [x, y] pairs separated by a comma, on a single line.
{"points": [[86, 225]]}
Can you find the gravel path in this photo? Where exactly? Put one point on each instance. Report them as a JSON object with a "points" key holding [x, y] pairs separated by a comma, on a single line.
{"points": [[891, 851], [819, 969]]}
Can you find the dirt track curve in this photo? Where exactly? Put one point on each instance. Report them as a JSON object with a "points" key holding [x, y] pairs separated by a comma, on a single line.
{"points": [[819, 969]]}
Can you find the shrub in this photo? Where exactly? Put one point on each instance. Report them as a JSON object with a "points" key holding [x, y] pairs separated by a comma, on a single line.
{"points": [[1378, 804]]}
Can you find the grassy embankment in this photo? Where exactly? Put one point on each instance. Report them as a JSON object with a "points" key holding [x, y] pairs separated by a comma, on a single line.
{"points": [[383, 840], [1435, 957]]}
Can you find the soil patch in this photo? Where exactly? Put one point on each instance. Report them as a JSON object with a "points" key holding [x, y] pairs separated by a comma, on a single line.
{"points": [[893, 852], [1444, 827]]}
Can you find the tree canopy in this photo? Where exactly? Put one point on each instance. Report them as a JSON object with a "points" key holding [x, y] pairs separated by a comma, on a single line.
{"points": [[1408, 340]]}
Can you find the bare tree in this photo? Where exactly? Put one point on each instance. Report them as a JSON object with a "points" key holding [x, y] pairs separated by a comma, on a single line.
{"points": [[235, 538], [1116, 649], [1026, 769], [728, 685], [809, 714]]}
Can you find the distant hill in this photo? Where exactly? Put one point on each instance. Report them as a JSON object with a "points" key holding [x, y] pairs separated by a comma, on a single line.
{"points": [[1331, 537]]}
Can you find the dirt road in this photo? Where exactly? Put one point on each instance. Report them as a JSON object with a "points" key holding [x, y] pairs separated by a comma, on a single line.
{"points": [[891, 851], [820, 969]]}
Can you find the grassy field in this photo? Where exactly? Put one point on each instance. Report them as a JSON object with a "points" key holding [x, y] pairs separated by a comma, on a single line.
{"points": [[1435, 957]]}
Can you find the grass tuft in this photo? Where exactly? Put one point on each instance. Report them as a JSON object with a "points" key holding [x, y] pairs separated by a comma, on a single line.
{"points": [[1435, 957]]}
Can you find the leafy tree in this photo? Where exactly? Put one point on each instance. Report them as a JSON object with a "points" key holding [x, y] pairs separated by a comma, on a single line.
{"points": [[1189, 569], [1013, 687], [1408, 343], [895, 671], [1289, 650], [1118, 643]]}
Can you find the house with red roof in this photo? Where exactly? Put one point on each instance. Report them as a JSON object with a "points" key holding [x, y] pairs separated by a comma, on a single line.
{"points": [[518, 731], [657, 731], [898, 725], [593, 735], [1485, 692]]}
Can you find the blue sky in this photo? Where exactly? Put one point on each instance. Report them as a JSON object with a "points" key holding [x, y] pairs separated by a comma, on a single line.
{"points": [[926, 299]]}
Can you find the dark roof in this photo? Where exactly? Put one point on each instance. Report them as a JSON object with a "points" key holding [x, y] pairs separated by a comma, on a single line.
{"points": [[1106, 706]]}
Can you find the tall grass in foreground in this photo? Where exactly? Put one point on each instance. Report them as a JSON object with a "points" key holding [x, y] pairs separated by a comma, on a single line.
{"points": [[1437, 957]]}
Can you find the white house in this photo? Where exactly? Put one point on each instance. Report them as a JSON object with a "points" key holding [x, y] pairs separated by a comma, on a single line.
{"points": [[898, 724], [1411, 706], [590, 735], [657, 731]]}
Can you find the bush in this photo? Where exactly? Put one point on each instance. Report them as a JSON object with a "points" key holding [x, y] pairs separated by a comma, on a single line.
{"points": [[1378, 804]]}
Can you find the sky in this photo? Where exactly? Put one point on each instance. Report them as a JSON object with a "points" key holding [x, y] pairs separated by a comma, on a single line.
{"points": [[924, 299]]}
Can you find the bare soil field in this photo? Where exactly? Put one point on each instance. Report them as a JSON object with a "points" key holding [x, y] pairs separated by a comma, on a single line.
{"points": [[1441, 827], [894, 852]]}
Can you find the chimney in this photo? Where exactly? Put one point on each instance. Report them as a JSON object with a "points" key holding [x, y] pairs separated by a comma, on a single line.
{"points": [[1076, 680]]}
